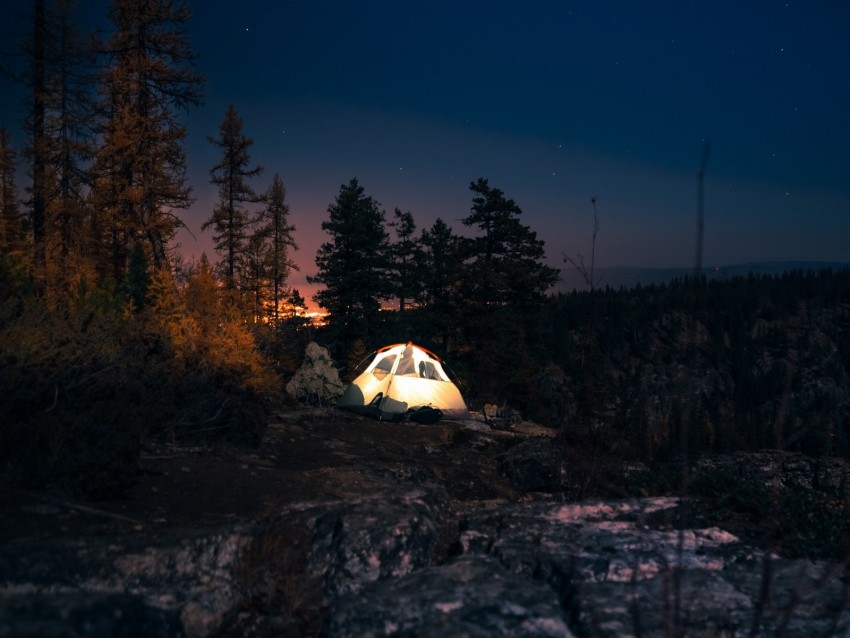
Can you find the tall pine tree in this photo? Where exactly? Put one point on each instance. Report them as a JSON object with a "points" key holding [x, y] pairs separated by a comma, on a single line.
{"points": [[11, 224], [58, 125], [442, 273], [407, 257], [504, 283], [505, 260], [252, 278], [230, 219], [38, 138], [353, 266], [70, 101], [141, 166], [278, 244]]}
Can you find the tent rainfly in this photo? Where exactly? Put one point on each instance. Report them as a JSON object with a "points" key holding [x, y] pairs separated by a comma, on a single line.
{"points": [[403, 377]]}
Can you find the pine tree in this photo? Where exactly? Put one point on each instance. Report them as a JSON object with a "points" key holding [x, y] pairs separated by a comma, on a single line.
{"points": [[504, 263], [407, 258], [203, 304], [11, 224], [69, 129], [252, 277], [353, 265], [294, 303], [58, 126], [504, 282], [230, 219], [442, 264], [138, 277], [141, 166], [167, 311], [442, 257], [38, 143], [278, 243]]}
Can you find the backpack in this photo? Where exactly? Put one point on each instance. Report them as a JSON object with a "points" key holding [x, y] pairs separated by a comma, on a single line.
{"points": [[426, 415]]}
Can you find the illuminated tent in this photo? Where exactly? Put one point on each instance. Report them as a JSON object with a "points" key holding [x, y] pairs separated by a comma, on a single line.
{"points": [[403, 377]]}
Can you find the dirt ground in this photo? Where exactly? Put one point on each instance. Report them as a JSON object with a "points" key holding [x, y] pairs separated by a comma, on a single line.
{"points": [[308, 455]]}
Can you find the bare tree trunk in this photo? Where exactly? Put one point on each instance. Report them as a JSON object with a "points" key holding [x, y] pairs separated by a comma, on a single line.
{"points": [[160, 257], [38, 140]]}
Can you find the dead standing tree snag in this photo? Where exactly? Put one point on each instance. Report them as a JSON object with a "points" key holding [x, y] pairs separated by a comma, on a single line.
{"points": [[588, 273]]}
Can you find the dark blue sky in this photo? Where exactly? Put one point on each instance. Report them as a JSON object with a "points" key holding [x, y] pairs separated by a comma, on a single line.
{"points": [[553, 102]]}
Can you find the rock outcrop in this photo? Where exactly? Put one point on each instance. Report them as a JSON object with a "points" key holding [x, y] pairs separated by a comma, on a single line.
{"points": [[600, 569], [636, 568], [382, 549], [543, 568], [470, 596], [116, 586], [317, 381]]}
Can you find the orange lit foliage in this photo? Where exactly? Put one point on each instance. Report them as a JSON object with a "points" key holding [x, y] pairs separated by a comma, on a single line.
{"points": [[86, 381], [204, 327]]}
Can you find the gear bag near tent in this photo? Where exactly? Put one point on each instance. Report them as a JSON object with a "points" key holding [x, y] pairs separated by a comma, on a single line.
{"points": [[404, 377]]}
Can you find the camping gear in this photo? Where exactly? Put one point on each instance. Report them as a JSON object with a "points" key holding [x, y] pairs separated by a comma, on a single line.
{"points": [[404, 377], [426, 415]]}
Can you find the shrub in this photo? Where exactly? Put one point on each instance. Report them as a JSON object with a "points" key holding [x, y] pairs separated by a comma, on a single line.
{"points": [[85, 384], [66, 418]]}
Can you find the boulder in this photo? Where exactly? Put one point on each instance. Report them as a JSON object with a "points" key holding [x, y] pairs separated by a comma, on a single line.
{"points": [[317, 381], [309, 554], [530, 464]]}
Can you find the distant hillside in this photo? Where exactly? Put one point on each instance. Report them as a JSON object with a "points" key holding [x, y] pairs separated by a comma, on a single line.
{"points": [[629, 276], [745, 363]]}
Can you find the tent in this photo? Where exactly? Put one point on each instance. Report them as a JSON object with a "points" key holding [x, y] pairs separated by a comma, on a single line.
{"points": [[403, 377]]}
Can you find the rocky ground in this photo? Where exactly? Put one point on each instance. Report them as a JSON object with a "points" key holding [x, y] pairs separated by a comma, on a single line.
{"points": [[339, 525], [308, 455]]}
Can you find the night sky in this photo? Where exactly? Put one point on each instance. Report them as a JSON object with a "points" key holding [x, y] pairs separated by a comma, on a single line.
{"points": [[554, 103]]}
